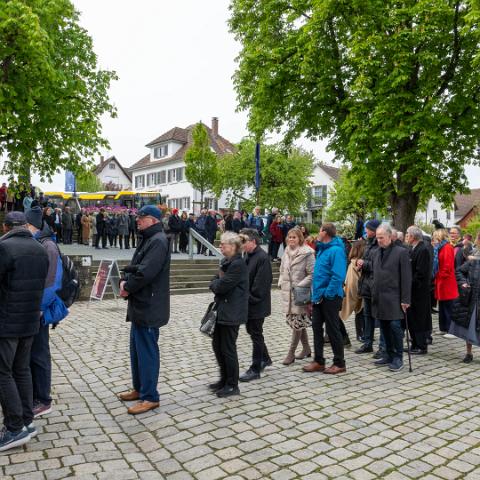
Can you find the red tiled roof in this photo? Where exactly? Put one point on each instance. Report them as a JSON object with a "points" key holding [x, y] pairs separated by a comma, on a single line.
{"points": [[103, 163], [465, 202], [220, 145]]}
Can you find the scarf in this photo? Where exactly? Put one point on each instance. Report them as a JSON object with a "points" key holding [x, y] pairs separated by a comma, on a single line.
{"points": [[436, 251]]}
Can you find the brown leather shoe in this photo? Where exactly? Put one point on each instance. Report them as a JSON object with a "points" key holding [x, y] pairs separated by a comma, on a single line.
{"points": [[314, 367], [333, 370], [129, 396], [142, 407]]}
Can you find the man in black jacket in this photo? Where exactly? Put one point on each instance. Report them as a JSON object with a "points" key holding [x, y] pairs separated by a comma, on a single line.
{"points": [[175, 225], [148, 292], [391, 295], [259, 301], [23, 270], [211, 228], [420, 312]]}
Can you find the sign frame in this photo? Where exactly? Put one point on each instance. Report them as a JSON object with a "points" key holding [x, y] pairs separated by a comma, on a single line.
{"points": [[108, 274]]}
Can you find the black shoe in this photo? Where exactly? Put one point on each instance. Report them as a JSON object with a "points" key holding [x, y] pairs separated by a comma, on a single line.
{"points": [[249, 375], [429, 341], [228, 391], [378, 354], [347, 342], [418, 351], [468, 358], [264, 364], [364, 349], [216, 386]]}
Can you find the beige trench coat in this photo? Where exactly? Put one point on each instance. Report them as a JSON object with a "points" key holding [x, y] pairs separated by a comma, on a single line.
{"points": [[352, 301], [297, 264]]}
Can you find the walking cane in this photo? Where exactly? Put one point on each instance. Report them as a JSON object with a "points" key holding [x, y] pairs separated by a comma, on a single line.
{"points": [[408, 342]]}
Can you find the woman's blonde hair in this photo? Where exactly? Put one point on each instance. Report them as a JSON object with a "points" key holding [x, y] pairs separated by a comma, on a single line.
{"points": [[440, 235], [298, 233], [232, 238]]}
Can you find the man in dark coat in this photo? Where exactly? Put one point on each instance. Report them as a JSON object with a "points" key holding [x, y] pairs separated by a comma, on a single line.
{"points": [[23, 270], [259, 301], [419, 314], [391, 295], [132, 228], [210, 228], [101, 229], [148, 292], [175, 225], [67, 226], [365, 286], [78, 224], [237, 222]]}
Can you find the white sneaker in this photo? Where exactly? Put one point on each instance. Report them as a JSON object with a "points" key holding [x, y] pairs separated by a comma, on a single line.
{"points": [[449, 336]]}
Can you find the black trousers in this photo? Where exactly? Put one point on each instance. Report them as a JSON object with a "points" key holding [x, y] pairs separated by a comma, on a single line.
{"points": [[419, 339], [41, 366], [101, 234], [16, 396], [445, 315], [326, 313], [260, 351], [224, 345], [126, 238], [67, 236], [275, 249]]}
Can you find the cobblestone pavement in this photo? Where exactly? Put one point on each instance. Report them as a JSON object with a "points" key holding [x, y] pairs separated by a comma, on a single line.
{"points": [[366, 424]]}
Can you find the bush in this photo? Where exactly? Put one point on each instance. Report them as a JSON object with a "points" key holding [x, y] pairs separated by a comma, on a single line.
{"points": [[473, 228]]}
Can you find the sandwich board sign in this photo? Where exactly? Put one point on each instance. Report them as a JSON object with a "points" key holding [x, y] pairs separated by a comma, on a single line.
{"points": [[108, 275]]}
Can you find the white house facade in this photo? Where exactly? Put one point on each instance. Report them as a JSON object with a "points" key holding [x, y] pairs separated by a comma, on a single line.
{"points": [[110, 171], [435, 211]]}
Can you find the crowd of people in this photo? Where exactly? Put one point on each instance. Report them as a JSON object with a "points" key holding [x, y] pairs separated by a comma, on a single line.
{"points": [[385, 281]]}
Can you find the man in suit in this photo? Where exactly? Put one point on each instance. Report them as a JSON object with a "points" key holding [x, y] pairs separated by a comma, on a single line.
{"points": [[419, 314]]}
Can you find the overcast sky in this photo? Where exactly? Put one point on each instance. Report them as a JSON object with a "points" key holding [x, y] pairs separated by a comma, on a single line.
{"points": [[175, 61]]}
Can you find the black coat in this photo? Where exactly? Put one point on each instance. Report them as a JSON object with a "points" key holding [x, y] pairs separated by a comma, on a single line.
{"points": [[365, 283], [231, 291], [148, 282], [392, 282], [260, 282], [420, 312], [210, 226], [464, 305], [175, 224], [132, 223], [237, 225], [23, 271]]}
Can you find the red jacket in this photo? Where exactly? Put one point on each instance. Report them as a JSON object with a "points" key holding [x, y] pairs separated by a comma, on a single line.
{"points": [[277, 232], [445, 282]]}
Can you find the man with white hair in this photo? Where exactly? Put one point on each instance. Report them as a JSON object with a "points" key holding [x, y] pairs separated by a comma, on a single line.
{"points": [[391, 294], [419, 313]]}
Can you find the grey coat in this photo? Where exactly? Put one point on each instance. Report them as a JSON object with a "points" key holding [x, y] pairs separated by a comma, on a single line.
{"points": [[122, 224], [392, 282]]}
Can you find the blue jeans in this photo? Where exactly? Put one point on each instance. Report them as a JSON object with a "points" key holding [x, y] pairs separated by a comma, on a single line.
{"points": [[145, 361], [393, 333], [41, 365], [368, 332]]}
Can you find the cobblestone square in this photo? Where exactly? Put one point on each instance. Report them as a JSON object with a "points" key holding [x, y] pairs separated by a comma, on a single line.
{"points": [[368, 423]]}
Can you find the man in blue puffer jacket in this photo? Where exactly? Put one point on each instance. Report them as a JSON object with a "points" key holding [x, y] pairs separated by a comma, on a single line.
{"points": [[327, 294], [53, 311]]}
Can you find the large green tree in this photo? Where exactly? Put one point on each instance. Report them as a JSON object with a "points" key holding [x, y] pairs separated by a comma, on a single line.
{"points": [[285, 176], [52, 93], [201, 161], [392, 85]]}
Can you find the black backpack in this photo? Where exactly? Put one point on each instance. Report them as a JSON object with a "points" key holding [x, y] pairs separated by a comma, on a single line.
{"points": [[70, 291]]}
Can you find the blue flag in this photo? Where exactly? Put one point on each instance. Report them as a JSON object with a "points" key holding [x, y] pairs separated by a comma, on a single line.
{"points": [[69, 181], [257, 167]]}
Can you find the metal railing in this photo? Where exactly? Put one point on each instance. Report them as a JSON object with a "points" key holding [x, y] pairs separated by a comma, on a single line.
{"points": [[193, 236]]}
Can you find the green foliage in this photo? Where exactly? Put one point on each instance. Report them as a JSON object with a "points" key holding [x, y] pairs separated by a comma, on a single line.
{"points": [[426, 227], [285, 176], [52, 95], [88, 182], [473, 227], [391, 85], [201, 162]]}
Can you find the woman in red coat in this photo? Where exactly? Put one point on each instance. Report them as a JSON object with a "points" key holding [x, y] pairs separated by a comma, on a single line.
{"points": [[446, 289], [277, 236]]}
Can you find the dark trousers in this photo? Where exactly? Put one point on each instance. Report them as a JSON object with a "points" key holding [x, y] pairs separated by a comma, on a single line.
{"points": [[224, 345], [58, 231], [369, 325], [275, 249], [79, 233], [120, 241], [444, 314], [41, 365], [327, 312], [393, 334], [67, 236], [419, 339], [101, 234], [16, 382], [260, 351], [145, 361]]}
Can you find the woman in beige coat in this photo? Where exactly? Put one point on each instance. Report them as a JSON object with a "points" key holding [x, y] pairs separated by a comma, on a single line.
{"points": [[352, 301], [296, 270], [85, 228]]}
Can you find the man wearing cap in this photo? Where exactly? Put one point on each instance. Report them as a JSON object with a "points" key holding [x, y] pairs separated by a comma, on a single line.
{"points": [[146, 287], [53, 311], [366, 284], [23, 270]]}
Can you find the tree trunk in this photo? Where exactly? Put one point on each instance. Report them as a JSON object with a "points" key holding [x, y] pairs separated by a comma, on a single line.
{"points": [[404, 208]]}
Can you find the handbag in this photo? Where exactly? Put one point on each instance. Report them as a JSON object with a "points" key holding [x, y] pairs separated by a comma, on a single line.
{"points": [[209, 320], [301, 296]]}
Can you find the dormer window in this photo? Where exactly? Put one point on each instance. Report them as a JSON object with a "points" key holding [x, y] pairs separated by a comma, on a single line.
{"points": [[160, 152]]}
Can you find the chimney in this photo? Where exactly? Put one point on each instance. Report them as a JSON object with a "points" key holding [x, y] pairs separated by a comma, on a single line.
{"points": [[102, 159], [215, 127]]}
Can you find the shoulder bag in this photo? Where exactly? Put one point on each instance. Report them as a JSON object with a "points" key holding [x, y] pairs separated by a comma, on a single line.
{"points": [[209, 320]]}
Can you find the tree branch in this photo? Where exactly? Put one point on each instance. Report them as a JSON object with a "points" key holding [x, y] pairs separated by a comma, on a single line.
{"points": [[303, 14]]}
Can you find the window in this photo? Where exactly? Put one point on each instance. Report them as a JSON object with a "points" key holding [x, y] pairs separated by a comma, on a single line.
{"points": [[211, 203], [175, 174], [111, 166], [435, 215], [179, 203], [162, 177], [139, 181], [319, 195], [160, 152], [449, 215], [151, 177]]}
